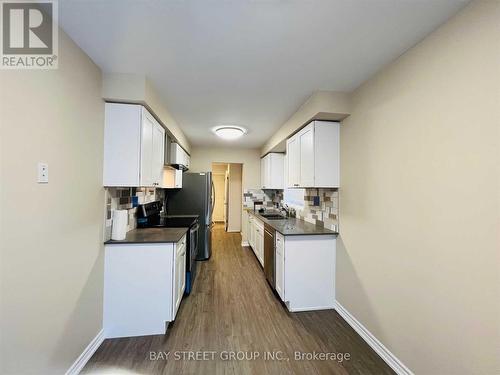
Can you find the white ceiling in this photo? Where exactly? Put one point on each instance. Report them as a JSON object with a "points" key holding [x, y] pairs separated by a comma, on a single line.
{"points": [[248, 63]]}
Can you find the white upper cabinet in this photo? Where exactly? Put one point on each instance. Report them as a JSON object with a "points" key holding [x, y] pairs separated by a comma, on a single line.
{"points": [[272, 171], [133, 146], [313, 158]]}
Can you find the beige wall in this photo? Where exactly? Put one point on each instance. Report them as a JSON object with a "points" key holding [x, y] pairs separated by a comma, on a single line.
{"points": [[136, 88], [51, 244], [203, 157], [418, 256]]}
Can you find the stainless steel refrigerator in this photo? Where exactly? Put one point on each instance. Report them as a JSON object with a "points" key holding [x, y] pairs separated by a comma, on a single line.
{"points": [[197, 197]]}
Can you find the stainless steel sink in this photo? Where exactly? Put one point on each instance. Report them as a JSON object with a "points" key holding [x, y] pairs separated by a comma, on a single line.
{"points": [[273, 217]]}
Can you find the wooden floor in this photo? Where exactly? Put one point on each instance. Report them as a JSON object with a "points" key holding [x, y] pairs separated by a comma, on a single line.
{"points": [[232, 309]]}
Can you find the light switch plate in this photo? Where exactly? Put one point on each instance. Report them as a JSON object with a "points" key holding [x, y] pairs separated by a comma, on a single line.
{"points": [[43, 173]]}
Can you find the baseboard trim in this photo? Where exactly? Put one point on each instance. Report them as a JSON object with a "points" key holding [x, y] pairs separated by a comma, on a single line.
{"points": [[82, 360], [245, 243], [313, 308], [374, 343]]}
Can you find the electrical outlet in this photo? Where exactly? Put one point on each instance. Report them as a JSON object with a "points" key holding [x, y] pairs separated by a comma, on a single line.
{"points": [[43, 173]]}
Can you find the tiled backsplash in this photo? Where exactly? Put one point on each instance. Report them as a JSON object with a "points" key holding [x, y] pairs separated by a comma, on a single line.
{"points": [[125, 199], [319, 206], [267, 197]]}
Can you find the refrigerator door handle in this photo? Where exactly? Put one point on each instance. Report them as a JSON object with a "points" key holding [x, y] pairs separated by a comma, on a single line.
{"points": [[212, 199]]}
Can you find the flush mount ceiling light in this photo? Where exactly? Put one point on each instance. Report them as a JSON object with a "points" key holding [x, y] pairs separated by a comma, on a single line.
{"points": [[229, 132]]}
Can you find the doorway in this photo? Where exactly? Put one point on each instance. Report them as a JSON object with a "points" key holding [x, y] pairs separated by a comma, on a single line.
{"points": [[227, 178]]}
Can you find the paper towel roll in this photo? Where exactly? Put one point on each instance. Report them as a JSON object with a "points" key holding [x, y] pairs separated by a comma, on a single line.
{"points": [[119, 226]]}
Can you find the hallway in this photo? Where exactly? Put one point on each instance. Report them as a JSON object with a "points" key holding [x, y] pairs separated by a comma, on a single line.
{"points": [[232, 309]]}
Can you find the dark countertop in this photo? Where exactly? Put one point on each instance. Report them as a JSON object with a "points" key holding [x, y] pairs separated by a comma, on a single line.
{"points": [[294, 226], [151, 235]]}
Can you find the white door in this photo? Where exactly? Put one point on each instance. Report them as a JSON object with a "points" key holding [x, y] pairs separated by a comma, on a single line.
{"points": [[293, 155], [158, 153], [146, 151], [306, 146]]}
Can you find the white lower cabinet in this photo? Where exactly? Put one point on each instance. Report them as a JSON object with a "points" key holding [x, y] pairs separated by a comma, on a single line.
{"points": [[256, 237], [304, 267], [305, 271], [143, 287]]}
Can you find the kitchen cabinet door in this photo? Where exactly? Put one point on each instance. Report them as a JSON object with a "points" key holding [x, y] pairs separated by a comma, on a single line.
{"points": [[259, 243], [158, 153], [327, 154], [276, 170], [306, 151], [271, 171], [247, 227], [280, 265], [251, 233], [179, 274], [263, 173], [138, 285], [147, 150], [293, 156]]}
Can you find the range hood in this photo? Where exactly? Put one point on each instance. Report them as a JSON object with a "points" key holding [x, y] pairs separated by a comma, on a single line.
{"points": [[175, 156]]}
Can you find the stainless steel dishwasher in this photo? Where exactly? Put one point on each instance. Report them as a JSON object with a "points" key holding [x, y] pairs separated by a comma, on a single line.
{"points": [[269, 254]]}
